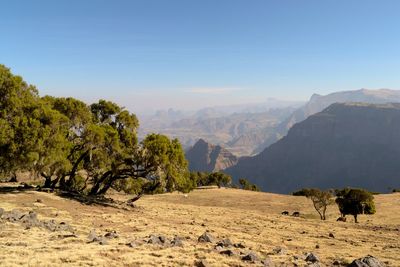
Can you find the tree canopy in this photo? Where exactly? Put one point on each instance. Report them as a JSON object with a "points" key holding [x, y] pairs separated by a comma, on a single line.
{"points": [[320, 199], [354, 202], [78, 147], [246, 185], [206, 179]]}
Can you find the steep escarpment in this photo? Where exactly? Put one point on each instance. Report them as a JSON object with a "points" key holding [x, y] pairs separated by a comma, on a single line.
{"points": [[318, 103], [352, 144], [207, 157]]}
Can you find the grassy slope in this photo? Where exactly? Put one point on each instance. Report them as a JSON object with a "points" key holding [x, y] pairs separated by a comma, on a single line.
{"points": [[248, 217]]}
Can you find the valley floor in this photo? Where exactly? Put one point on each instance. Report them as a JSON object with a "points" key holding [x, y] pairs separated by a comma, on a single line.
{"points": [[251, 218]]}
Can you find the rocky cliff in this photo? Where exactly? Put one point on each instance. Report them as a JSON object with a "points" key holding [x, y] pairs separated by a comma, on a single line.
{"points": [[207, 157], [350, 144], [318, 103]]}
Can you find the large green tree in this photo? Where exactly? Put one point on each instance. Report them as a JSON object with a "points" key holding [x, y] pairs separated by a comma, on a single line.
{"points": [[354, 202], [81, 148], [17, 123]]}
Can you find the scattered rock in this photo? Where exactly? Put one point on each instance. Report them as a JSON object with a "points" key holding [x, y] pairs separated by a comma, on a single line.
{"points": [[50, 225], [317, 246], [12, 216], [53, 226], [30, 220], [177, 242], [279, 251], [206, 237], [239, 245], [336, 263], [331, 235], [112, 234], [155, 255], [162, 239], [267, 262], [219, 248], [296, 214], [202, 263], [225, 243], [156, 240], [227, 252], [93, 237], [103, 241], [368, 261], [39, 200], [311, 257], [252, 257], [132, 244], [67, 236]]}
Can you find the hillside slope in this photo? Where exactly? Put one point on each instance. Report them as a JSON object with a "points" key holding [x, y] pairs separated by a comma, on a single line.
{"points": [[345, 145], [250, 218]]}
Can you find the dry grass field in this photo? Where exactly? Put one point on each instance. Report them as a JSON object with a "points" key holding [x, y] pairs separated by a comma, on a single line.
{"points": [[251, 218]]}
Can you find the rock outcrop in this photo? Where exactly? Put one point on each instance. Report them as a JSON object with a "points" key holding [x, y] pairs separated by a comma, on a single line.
{"points": [[209, 158]]}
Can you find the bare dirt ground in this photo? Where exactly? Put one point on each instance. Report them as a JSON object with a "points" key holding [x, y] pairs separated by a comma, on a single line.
{"points": [[251, 218]]}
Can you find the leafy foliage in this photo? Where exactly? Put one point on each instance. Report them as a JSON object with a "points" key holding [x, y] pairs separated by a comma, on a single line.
{"points": [[206, 179], [355, 201], [81, 148], [320, 199], [246, 185]]}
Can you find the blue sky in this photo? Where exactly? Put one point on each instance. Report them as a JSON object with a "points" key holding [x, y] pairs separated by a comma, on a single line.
{"points": [[188, 54]]}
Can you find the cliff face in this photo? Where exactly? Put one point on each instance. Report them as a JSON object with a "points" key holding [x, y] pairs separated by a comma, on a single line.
{"points": [[352, 144], [207, 157], [318, 103]]}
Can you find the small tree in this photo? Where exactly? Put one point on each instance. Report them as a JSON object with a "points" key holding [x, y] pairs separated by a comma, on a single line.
{"points": [[246, 185], [354, 202], [320, 199]]}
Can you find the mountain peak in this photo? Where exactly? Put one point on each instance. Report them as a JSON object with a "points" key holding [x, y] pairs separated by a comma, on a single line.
{"points": [[207, 157], [345, 145]]}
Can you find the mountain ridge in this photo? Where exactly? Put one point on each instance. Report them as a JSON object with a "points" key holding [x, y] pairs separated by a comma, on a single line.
{"points": [[347, 144]]}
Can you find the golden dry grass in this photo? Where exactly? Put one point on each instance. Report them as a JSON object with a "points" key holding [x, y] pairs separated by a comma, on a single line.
{"points": [[251, 218]]}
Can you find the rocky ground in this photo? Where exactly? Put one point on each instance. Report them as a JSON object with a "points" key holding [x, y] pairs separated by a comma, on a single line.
{"points": [[213, 227]]}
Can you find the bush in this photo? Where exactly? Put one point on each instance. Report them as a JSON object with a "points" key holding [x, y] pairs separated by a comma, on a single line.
{"points": [[206, 179], [246, 185]]}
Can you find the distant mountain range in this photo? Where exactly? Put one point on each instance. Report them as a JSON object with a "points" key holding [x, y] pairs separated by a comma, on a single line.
{"points": [[347, 144], [248, 129], [239, 128], [210, 158]]}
